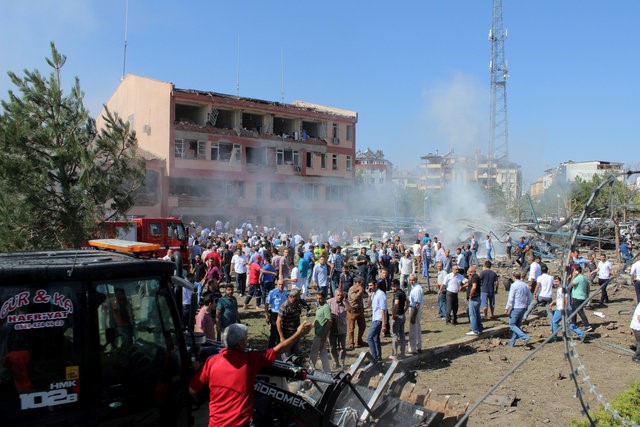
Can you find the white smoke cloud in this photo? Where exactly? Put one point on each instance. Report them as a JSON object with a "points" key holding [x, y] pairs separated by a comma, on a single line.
{"points": [[456, 111]]}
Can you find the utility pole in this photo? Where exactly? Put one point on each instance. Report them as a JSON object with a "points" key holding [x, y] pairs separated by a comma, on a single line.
{"points": [[499, 129]]}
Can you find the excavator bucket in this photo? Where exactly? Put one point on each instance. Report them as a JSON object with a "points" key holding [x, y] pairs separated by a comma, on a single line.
{"points": [[368, 393]]}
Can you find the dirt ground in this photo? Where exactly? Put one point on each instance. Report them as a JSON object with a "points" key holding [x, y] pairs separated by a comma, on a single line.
{"points": [[541, 389]]}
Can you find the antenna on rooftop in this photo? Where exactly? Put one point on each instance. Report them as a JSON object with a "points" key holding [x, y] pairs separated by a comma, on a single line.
{"points": [[282, 67], [238, 69], [126, 27]]}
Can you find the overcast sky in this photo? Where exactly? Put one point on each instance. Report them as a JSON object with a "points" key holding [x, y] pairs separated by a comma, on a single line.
{"points": [[415, 71]]}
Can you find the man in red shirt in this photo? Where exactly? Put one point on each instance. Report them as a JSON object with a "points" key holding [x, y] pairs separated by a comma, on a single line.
{"points": [[215, 256], [231, 375], [254, 283]]}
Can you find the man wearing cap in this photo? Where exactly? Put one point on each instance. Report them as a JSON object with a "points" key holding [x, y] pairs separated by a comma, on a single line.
{"points": [[289, 316], [231, 375]]}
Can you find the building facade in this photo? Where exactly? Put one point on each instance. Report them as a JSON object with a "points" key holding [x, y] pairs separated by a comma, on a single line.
{"points": [[570, 171], [372, 168], [213, 156], [440, 170]]}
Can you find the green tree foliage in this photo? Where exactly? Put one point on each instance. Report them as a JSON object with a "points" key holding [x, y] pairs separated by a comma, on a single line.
{"points": [[618, 194], [59, 176], [626, 403]]}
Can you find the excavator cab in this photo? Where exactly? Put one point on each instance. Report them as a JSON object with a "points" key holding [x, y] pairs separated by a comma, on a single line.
{"points": [[90, 338]]}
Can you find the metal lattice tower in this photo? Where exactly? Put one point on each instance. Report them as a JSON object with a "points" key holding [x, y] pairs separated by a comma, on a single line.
{"points": [[499, 130]]}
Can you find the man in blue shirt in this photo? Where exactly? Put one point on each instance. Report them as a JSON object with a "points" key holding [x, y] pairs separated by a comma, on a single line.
{"points": [[310, 262], [517, 303], [625, 254], [321, 276], [276, 297], [267, 276]]}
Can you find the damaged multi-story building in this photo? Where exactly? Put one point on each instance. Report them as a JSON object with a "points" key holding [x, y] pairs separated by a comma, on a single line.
{"points": [[214, 156]]}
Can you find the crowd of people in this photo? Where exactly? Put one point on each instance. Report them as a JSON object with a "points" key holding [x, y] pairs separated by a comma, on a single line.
{"points": [[281, 273]]}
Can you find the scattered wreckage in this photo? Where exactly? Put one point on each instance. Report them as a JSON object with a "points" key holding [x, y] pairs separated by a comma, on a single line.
{"points": [[367, 394]]}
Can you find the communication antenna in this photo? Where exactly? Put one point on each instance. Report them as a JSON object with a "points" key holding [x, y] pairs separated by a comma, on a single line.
{"points": [[282, 67], [499, 137], [126, 27], [238, 69]]}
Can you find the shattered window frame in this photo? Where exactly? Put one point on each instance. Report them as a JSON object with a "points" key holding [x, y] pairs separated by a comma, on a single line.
{"points": [[178, 150], [224, 151], [202, 150]]}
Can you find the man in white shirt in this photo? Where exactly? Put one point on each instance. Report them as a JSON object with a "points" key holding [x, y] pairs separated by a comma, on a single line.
{"points": [[543, 293], [635, 327], [452, 284], [240, 262], [474, 251], [605, 272], [442, 294], [416, 301], [406, 267], [489, 247], [378, 319], [416, 249], [517, 302], [635, 276], [534, 272]]}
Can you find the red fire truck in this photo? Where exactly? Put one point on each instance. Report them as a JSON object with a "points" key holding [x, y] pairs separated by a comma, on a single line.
{"points": [[169, 233]]}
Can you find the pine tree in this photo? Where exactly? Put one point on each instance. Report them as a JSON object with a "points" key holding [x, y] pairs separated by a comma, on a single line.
{"points": [[59, 176]]}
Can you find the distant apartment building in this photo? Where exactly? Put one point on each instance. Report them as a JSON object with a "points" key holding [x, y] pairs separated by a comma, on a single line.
{"points": [[536, 190], [440, 170], [215, 156], [570, 171], [372, 168], [406, 179]]}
